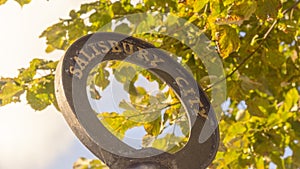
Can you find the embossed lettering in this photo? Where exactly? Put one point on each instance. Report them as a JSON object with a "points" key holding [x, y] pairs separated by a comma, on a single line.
{"points": [[181, 82], [195, 100], [89, 57], [80, 62], [189, 92], [115, 46], [94, 48], [75, 72], [143, 54], [126, 50], [102, 45], [156, 60]]}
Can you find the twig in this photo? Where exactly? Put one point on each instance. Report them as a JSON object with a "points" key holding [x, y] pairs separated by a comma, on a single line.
{"points": [[151, 111], [144, 112], [256, 49]]}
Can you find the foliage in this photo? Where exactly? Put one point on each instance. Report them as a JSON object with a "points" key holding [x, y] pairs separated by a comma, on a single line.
{"points": [[154, 111], [258, 42], [37, 81], [84, 163]]}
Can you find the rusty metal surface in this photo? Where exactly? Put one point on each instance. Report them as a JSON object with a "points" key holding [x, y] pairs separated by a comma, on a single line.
{"points": [[73, 102]]}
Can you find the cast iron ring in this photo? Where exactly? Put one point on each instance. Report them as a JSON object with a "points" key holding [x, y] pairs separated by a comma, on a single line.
{"points": [[70, 85]]}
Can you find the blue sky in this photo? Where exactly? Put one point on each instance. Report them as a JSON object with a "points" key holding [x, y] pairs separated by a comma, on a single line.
{"points": [[29, 139]]}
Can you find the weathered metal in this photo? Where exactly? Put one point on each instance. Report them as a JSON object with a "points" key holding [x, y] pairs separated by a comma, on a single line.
{"points": [[70, 90]]}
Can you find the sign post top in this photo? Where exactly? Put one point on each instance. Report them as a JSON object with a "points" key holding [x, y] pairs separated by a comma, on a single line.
{"points": [[71, 92]]}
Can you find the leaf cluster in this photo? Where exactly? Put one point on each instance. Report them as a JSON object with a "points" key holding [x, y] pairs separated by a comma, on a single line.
{"points": [[155, 112], [37, 81]]}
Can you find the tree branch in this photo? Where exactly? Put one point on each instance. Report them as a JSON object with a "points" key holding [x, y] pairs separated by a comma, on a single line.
{"points": [[256, 49]]}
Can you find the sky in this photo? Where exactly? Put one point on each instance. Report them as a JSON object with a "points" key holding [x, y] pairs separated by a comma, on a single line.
{"points": [[30, 139]]}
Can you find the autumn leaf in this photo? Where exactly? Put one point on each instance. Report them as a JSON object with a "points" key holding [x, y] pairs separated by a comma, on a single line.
{"points": [[2, 2], [23, 2], [228, 40]]}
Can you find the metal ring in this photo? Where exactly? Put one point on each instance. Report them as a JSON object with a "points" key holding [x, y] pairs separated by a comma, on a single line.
{"points": [[70, 86]]}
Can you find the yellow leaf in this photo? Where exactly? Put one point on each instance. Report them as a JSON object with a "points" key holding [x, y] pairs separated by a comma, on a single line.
{"points": [[198, 5], [23, 2], [10, 92], [228, 40], [2, 2]]}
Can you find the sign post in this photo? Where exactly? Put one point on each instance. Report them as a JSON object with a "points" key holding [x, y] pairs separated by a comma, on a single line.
{"points": [[70, 87]]}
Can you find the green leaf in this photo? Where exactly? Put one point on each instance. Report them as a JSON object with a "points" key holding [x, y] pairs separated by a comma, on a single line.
{"points": [[23, 2], [230, 157], [268, 9], [10, 92], [94, 93], [101, 78], [277, 160], [198, 5], [273, 57], [3, 81], [83, 163], [247, 84], [123, 28], [170, 143], [291, 98], [184, 125], [125, 72], [260, 163], [258, 106], [228, 40], [28, 74], [244, 9], [117, 8], [84, 8], [154, 127], [56, 36], [49, 65], [117, 124], [49, 49], [75, 30], [296, 154], [148, 140], [228, 2], [100, 19], [40, 94], [236, 130], [73, 14], [126, 106]]}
